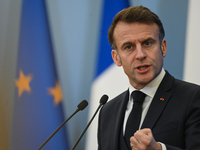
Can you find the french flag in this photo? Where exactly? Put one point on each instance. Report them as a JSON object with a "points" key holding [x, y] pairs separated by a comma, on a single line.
{"points": [[109, 79]]}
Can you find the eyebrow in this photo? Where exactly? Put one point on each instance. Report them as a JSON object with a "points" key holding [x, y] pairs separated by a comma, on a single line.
{"points": [[150, 38], [126, 43]]}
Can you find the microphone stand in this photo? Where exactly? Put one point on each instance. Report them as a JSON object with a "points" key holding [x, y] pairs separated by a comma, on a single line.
{"points": [[86, 128], [103, 100], [81, 106]]}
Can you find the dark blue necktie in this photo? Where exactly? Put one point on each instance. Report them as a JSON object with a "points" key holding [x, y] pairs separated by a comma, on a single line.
{"points": [[134, 118]]}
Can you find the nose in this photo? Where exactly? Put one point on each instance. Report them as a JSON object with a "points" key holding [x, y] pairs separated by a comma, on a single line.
{"points": [[140, 53]]}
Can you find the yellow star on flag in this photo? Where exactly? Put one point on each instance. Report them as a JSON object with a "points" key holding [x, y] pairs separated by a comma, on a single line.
{"points": [[56, 93], [23, 83]]}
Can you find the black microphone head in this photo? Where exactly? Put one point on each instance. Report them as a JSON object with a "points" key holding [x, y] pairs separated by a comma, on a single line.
{"points": [[82, 105], [103, 99]]}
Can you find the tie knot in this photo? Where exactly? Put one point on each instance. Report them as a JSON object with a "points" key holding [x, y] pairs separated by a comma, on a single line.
{"points": [[138, 96]]}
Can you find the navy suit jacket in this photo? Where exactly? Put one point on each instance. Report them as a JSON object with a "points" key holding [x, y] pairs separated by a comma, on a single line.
{"points": [[174, 121]]}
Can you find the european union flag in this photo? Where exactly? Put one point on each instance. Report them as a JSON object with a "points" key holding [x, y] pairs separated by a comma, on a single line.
{"points": [[38, 102]]}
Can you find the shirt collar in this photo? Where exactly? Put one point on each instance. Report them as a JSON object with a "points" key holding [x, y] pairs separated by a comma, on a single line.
{"points": [[151, 88]]}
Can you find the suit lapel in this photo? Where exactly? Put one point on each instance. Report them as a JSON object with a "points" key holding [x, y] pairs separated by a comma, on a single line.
{"points": [[159, 102], [155, 109], [121, 106]]}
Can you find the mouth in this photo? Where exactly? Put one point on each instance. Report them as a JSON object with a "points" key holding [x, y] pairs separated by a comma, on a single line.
{"points": [[143, 68]]}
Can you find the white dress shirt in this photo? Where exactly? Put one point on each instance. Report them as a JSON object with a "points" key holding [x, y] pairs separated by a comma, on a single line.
{"points": [[150, 91]]}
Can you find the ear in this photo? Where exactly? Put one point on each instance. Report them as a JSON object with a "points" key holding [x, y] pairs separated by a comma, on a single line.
{"points": [[164, 47], [116, 58]]}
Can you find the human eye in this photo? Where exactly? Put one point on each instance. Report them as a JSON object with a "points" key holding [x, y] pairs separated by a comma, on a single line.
{"points": [[128, 47], [148, 43]]}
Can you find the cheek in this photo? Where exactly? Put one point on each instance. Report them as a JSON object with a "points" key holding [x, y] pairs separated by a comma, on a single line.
{"points": [[156, 59], [128, 66], [126, 61], [128, 56], [159, 61]]}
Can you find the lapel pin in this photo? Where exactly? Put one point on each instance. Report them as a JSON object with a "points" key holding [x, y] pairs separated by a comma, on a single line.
{"points": [[162, 99]]}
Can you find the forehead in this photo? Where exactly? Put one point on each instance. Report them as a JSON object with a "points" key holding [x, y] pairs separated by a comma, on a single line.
{"points": [[135, 31]]}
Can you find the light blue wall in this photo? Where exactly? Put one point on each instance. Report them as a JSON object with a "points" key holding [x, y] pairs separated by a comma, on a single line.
{"points": [[75, 28], [173, 14]]}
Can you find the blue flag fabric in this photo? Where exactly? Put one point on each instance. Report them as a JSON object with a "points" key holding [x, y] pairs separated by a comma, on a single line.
{"points": [[37, 107], [110, 9]]}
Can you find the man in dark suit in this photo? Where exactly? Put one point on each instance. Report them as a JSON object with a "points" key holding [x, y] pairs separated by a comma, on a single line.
{"points": [[170, 117]]}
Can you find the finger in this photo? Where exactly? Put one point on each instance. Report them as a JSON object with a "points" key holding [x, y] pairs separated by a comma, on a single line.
{"points": [[142, 137], [139, 135], [146, 131], [133, 141], [143, 134], [131, 145], [135, 144]]}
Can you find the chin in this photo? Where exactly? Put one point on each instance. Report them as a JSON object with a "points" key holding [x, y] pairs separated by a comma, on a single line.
{"points": [[145, 80]]}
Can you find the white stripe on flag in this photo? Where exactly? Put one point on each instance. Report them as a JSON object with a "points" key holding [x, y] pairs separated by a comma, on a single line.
{"points": [[192, 51]]}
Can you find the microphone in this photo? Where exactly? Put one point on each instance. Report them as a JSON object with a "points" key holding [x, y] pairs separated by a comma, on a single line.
{"points": [[102, 101], [82, 105]]}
